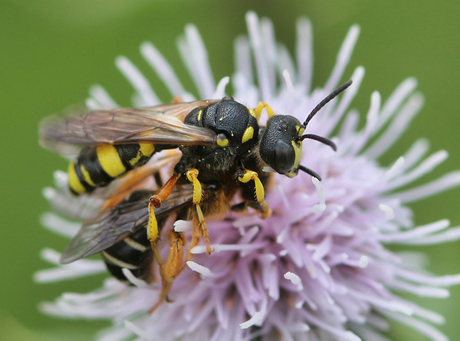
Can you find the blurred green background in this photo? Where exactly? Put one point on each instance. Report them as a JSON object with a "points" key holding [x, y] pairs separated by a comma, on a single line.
{"points": [[53, 50]]}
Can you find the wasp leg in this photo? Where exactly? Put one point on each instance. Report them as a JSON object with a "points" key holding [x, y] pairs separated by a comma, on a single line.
{"points": [[192, 176], [199, 225], [260, 205], [200, 230], [172, 267], [260, 107], [155, 201]]}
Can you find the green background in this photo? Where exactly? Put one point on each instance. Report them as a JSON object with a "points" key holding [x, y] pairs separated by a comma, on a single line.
{"points": [[53, 50]]}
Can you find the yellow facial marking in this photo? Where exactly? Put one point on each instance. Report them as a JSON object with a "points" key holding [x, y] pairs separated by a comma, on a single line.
{"points": [[198, 117], [300, 130], [298, 154], [253, 113], [222, 142], [86, 176], [248, 134], [74, 182], [110, 161]]}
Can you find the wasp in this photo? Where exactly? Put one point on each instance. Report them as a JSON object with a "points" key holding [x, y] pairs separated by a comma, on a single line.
{"points": [[225, 154]]}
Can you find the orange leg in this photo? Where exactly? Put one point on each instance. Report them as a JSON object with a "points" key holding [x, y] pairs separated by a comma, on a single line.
{"points": [[199, 231], [172, 267], [135, 179], [155, 201]]}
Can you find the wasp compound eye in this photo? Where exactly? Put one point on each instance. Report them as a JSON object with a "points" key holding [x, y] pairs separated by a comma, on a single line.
{"points": [[284, 157]]}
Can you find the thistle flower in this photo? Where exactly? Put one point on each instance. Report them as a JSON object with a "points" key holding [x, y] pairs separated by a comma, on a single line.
{"points": [[319, 267]]}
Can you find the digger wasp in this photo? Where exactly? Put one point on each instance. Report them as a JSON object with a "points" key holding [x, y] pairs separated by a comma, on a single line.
{"points": [[225, 154]]}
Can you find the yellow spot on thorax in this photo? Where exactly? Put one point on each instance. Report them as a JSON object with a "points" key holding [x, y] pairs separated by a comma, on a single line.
{"points": [[222, 142], [248, 134]]}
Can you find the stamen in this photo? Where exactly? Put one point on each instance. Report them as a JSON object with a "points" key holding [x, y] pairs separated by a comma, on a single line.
{"points": [[294, 279], [286, 64], [183, 226], [133, 279], [256, 319], [395, 168], [395, 101], [449, 180], [425, 167], [396, 128], [202, 270], [164, 70], [136, 330], [243, 58], [100, 98], [343, 57], [255, 38], [304, 52], [59, 225], [288, 82], [389, 213], [220, 90], [321, 196], [138, 81], [200, 61]]}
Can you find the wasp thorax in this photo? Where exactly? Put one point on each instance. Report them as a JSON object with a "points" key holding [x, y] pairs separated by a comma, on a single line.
{"points": [[279, 145]]}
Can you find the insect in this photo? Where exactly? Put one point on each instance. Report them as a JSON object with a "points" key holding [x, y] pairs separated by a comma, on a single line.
{"points": [[224, 152]]}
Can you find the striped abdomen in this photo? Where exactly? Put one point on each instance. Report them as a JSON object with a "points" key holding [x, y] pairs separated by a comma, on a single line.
{"points": [[133, 253], [98, 166]]}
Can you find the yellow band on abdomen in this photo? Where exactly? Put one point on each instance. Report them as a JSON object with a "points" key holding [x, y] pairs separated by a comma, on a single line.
{"points": [[110, 161], [74, 182]]}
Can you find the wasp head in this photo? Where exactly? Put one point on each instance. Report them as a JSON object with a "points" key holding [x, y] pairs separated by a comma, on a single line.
{"points": [[280, 146], [281, 143]]}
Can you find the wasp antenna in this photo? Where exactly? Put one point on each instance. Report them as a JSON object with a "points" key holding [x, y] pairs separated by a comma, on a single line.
{"points": [[309, 171], [329, 97], [321, 139]]}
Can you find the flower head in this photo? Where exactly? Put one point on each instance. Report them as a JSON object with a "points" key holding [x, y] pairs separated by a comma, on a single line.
{"points": [[318, 268]]}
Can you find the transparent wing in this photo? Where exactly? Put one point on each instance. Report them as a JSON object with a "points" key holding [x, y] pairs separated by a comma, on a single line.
{"points": [[162, 124], [114, 224]]}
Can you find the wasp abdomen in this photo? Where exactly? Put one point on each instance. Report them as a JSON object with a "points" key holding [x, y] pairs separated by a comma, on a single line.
{"points": [[133, 253], [98, 166]]}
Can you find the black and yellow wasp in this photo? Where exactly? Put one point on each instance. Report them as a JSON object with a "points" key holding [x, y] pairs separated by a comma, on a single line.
{"points": [[225, 155]]}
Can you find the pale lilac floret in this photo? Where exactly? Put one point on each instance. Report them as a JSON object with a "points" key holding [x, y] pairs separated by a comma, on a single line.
{"points": [[318, 268]]}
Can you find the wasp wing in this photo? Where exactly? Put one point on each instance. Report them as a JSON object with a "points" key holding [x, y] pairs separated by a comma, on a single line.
{"points": [[162, 124], [115, 224]]}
